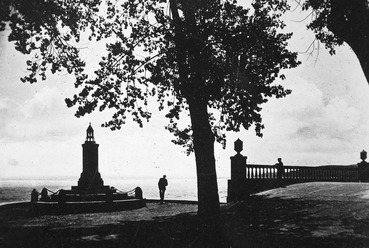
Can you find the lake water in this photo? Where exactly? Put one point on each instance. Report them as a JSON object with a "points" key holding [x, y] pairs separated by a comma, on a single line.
{"points": [[178, 188]]}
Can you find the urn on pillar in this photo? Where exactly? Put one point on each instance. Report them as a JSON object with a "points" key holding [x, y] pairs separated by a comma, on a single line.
{"points": [[236, 185], [238, 162]]}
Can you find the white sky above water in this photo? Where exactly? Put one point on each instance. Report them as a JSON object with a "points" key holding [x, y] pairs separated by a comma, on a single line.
{"points": [[324, 121]]}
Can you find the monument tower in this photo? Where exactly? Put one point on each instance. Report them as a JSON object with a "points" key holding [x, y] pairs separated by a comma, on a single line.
{"points": [[90, 195], [90, 180]]}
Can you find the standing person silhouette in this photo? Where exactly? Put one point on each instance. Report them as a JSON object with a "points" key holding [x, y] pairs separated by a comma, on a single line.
{"points": [[280, 169], [163, 183]]}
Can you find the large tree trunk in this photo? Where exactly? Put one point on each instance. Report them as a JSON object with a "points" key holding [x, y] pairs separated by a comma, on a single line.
{"points": [[349, 20], [203, 137], [362, 53], [203, 141]]}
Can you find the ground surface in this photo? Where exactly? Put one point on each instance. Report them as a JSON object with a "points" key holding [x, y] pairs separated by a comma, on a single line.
{"points": [[303, 215]]}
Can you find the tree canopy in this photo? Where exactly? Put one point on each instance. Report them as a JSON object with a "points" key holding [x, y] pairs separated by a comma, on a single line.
{"points": [[241, 54], [335, 22], [212, 60]]}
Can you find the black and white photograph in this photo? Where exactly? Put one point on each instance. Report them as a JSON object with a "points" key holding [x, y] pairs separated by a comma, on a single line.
{"points": [[184, 123]]}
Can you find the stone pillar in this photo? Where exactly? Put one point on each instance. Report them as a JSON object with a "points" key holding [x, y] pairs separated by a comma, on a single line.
{"points": [[236, 189], [238, 162], [363, 168]]}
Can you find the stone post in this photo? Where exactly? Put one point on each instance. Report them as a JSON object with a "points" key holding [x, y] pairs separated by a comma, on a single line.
{"points": [[238, 173], [138, 193], [363, 168], [34, 195]]}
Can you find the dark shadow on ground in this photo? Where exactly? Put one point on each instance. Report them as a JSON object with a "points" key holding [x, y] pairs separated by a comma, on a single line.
{"points": [[257, 222]]}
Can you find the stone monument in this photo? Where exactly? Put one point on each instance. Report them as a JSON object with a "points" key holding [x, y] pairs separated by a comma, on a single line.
{"points": [[90, 180]]}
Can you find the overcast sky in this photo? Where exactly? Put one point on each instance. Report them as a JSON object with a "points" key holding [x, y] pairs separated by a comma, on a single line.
{"points": [[324, 121]]}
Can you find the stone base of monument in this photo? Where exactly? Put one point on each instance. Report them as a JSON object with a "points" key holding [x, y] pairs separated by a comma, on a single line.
{"points": [[76, 200], [55, 208]]}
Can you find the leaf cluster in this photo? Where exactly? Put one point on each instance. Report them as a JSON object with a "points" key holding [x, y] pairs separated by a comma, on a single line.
{"points": [[46, 28]]}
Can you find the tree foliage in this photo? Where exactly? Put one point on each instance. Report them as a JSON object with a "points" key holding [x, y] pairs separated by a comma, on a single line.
{"points": [[238, 53]]}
